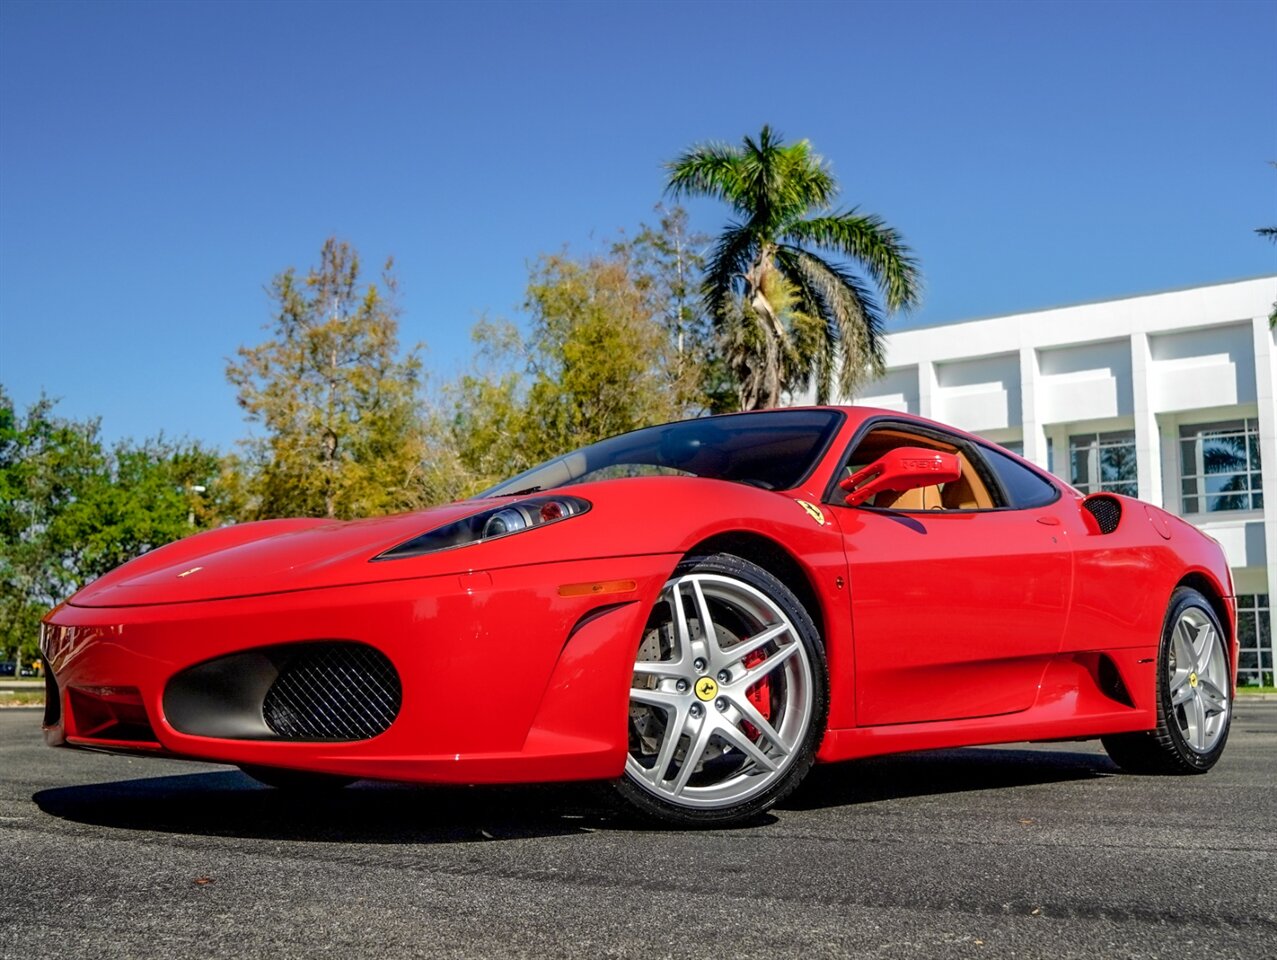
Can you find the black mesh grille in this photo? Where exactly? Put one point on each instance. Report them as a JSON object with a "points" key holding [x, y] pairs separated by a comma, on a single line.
{"points": [[333, 691], [1107, 511]]}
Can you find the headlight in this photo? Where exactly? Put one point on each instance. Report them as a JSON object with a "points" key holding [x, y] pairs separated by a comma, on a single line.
{"points": [[503, 522], [490, 525]]}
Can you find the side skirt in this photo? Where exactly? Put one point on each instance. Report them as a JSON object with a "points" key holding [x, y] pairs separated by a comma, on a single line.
{"points": [[1077, 699]]}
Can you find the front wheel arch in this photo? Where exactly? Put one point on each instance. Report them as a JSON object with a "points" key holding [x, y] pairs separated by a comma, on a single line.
{"points": [[775, 559]]}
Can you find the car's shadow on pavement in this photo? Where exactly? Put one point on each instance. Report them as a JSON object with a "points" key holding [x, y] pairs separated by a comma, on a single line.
{"points": [[229, 803], [935, 772]]}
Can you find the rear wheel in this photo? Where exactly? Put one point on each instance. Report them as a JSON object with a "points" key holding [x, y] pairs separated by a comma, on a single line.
{"points": [[729, 696], [296, 781], [1194, 707]]}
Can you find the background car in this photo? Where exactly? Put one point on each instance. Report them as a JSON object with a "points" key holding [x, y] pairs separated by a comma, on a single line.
{"points": [[696, 612]]}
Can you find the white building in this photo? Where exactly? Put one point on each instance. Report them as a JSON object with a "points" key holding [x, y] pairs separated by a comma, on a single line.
{"points": [[1169, 397]]}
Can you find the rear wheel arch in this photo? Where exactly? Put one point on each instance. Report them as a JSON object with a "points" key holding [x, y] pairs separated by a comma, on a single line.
{"points": [[1211, 590], [775, 559]]}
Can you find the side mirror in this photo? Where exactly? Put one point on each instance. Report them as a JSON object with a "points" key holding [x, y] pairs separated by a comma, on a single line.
{"points": [[904, 468]]}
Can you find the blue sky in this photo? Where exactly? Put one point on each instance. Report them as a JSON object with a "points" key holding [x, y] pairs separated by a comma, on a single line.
{"points": [[160, 162]]}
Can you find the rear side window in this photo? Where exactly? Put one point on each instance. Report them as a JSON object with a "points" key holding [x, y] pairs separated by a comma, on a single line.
{"points": [[1024, 487]]}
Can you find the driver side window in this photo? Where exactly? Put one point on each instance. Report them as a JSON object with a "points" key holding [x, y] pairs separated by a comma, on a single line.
{"points": [[968, 492]]}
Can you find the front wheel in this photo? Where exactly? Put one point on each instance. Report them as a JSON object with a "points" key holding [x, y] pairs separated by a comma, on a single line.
{"points": [[729, 696], [1194, 707]]}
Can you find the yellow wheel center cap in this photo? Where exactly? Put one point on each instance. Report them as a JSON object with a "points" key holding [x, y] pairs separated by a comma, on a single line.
{"points": [[1192, 679], [706, 688]]}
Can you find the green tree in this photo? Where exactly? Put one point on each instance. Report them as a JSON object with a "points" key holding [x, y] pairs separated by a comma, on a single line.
{"points": [[767, 280], [597, 360], [339, 405], [71, 508]]}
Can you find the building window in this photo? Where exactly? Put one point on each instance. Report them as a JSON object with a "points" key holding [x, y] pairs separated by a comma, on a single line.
{"points": [[1017, 447], [1219, 467], [1255, 639], [1104, 462]]}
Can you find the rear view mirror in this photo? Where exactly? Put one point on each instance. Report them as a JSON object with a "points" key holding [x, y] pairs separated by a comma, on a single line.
{"points": [[904, 468]]}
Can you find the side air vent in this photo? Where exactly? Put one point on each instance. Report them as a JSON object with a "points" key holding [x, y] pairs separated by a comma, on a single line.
{"points": [[333, 691], [1107, 511]]}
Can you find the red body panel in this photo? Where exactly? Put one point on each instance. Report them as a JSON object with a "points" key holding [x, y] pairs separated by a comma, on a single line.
{"points": [[956, 614], [940, 629]]}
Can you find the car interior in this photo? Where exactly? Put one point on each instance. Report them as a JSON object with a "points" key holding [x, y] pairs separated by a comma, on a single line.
{"points": [[968, 492]]}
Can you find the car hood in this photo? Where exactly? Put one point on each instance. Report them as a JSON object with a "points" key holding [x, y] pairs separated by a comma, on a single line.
{"points": [[271, 556]]}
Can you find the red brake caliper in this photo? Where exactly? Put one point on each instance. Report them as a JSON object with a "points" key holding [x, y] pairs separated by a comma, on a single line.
{"points": [[760, 695]]}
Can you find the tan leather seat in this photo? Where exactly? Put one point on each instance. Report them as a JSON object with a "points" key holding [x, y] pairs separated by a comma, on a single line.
{"points": [[962, 494], [958, 495], [921, 498]]}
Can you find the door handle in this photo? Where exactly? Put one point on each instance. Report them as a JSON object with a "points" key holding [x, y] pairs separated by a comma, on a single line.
{"points": [[1049, 521]]}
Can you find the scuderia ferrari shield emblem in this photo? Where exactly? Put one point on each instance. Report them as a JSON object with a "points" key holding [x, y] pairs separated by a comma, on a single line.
{"points": [[813, 511]]}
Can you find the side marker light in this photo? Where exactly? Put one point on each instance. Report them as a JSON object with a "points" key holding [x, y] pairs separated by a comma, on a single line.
{"points": [[595, 589]]}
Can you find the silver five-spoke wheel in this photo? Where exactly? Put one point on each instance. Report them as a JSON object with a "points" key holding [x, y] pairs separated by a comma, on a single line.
{"points": [[727, 686], [1191, 696], [1197, 673]]}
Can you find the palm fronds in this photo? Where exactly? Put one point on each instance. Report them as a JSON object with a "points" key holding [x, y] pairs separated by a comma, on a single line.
{"points": [[789, 317], [878, 247]]}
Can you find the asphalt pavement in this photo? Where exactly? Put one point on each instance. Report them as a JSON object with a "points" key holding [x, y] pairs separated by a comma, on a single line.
{"points": [[1023, 851]]}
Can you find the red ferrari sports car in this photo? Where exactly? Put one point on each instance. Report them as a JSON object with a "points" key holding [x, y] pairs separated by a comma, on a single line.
{"points": [[696, 612]]}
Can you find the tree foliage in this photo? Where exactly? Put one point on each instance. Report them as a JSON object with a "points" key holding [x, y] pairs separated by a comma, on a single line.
{"points": [[72, 508], [667, 261], [337, 401], [785, 226], [597, 360]]}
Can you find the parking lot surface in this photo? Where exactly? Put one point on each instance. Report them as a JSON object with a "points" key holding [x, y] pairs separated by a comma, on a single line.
{"points": [[1038, 850]]}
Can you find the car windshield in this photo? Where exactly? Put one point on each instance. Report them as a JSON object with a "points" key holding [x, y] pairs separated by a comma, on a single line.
{"points": [[774, 449]]}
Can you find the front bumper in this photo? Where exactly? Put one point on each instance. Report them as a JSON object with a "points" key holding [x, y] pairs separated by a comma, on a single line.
{"points": [[506, 676]]}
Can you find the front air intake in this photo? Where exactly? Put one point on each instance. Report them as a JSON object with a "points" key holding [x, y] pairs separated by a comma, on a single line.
{"points": [[1106, 510], [333, 691], [52, 699]]}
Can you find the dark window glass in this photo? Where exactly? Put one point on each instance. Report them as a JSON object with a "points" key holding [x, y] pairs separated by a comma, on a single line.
{"points": [[774, 450], [1024, 487]]}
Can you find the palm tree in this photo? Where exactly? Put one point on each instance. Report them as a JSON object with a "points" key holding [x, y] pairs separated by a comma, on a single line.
{"points": [[790, 316]]}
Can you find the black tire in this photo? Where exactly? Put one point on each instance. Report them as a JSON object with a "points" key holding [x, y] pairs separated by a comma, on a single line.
{"points": [[297, 781], [1165, 749], [810, 670]]}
